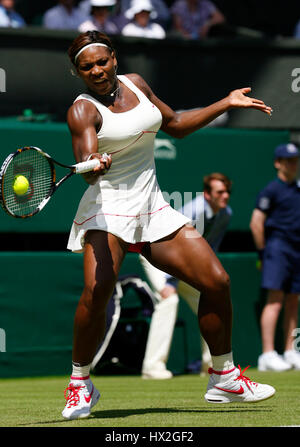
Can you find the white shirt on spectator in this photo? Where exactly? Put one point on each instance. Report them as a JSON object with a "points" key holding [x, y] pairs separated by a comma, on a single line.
{"points": [[151, 31], [161, 9], [108, 27]]}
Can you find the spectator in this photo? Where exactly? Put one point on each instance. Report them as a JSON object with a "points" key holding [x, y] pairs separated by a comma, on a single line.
{"points": [[100, 18], [162, 13], [8, 16], [141, 26], [276, 233], [63, 16], [193, 19]]}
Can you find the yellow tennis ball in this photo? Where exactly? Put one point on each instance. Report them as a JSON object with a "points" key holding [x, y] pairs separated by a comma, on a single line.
{"points": [[20, 185]]}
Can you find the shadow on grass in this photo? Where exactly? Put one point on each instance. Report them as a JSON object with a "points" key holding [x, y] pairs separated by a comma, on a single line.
{"points": [[124, 413], [112, 414]]}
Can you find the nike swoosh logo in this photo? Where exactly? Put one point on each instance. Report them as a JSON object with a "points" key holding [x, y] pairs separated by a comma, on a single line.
{"points": [[240, 391], [88, 399]]}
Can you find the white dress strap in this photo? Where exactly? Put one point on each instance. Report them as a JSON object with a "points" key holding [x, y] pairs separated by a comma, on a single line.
{"points": [[101, 107], [141, 96]]}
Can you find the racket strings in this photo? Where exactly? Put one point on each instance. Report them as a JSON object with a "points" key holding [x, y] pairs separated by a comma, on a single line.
{"points": [[36, 168]]}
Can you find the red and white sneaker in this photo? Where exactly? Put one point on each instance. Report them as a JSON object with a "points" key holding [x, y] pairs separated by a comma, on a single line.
{"points": [[81, 397], [233, 386]]}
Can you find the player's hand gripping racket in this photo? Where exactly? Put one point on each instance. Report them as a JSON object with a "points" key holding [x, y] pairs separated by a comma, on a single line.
{"points": [[28, 180]]}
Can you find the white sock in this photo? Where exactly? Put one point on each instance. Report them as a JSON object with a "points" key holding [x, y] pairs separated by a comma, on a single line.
{"points": [[80, 372], [222, 362]]}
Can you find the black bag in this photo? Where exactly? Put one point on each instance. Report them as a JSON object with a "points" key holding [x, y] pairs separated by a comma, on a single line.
{"points": [[128, 317]]}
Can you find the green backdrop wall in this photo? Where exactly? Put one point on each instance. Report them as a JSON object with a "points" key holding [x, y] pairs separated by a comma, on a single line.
{"points": [[39, 290], [39, 293]]}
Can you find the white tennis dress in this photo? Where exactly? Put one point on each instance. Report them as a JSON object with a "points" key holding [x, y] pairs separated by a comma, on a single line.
{"points": [[127, 200]]}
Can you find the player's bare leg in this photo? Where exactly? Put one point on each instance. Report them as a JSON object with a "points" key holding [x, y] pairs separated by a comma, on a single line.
{"points": [[103, 256], [188, 257]]}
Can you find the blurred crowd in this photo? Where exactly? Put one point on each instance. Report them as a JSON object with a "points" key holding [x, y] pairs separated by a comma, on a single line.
{"points": [[157, 19]]}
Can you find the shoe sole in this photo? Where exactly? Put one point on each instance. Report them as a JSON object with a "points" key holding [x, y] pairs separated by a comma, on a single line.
{"points": [[94, 402], [226, 400]]}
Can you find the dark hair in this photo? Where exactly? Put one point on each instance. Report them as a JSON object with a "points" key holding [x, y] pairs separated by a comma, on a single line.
{"points": [[216, 176], [85, 39]]}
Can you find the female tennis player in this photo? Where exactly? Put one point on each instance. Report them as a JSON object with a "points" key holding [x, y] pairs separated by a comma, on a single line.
{"points": [[123, 210]]}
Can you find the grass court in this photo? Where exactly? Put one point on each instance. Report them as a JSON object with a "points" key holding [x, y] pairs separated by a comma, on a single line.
{"points": [[130, 401]]}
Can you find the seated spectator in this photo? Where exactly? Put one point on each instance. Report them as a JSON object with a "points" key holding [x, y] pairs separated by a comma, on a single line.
{"points": [[193, 19], [162, 12], [100, 18], [141, 26], [63, 16], [8, 16]]}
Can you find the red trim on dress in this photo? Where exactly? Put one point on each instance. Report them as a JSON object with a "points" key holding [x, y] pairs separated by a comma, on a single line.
{"points": [[137, 216]]}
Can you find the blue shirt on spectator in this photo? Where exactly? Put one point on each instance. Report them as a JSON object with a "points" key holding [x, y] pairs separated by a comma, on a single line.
{"points": [[9, 18], [193, 20], [59, 18], [280, 201]]}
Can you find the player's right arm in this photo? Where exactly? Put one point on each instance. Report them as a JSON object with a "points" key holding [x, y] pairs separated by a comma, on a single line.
{"points": [[84, 121]]}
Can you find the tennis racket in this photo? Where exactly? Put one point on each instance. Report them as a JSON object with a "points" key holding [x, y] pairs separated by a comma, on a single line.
{"points": [[38, 168]]}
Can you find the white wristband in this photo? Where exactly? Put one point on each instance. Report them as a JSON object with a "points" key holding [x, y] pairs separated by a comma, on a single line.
{"points": [[104, 155]]}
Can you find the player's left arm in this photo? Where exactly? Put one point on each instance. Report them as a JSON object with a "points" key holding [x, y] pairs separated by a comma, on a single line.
{"points": [[180, 124]]}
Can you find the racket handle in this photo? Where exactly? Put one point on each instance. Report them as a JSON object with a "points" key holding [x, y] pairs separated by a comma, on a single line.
{"points": [[86, 166]]}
